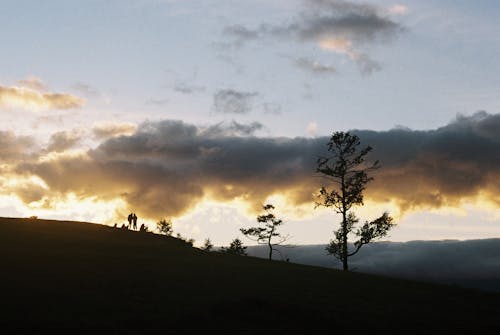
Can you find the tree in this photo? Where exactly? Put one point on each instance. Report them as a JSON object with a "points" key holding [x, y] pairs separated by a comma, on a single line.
{"points": [[265, 235], [165, 227], [207, 246], [347, 169], [235, 248]]}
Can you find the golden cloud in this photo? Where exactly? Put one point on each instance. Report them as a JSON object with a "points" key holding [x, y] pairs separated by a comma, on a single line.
{"points": [[34, 100], [103, 130]]}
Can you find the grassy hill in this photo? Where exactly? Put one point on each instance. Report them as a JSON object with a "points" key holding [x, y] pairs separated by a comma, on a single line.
{"points": [[81, 278]]}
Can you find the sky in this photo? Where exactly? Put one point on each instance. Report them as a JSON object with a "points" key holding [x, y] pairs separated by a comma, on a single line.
{"points": [[203, 111]]}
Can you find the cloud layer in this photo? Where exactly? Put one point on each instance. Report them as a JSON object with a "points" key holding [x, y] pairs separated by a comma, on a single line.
{"points": [[165, 168], [473, 263]]}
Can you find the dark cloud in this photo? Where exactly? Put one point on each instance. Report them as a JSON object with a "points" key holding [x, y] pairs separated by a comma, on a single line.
{"points": [[473, 263], [233, 102], [358, 23], [338, 26], [232, 128], [438, 167], [64, 140], [240, 34], [165, 168]]}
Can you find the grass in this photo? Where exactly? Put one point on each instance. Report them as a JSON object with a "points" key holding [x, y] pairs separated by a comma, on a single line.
{"points": [[81, 278]]}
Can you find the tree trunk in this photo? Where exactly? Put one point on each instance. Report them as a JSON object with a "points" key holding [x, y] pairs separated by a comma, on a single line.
{"points": [[345, 266], [344, 228], [270, 249]]}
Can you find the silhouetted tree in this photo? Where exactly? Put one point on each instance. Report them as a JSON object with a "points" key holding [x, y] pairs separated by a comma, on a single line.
{"points": [[207, 246], [235, 248], [347, 169], [265, 235], [165, 227]]}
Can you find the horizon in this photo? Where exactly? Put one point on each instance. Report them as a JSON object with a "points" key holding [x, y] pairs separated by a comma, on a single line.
{"points": [[203, 112]]}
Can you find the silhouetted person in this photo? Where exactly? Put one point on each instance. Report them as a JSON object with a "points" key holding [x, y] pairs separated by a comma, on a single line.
{"points": [[129, 219], [134, 220], [143, 228]]}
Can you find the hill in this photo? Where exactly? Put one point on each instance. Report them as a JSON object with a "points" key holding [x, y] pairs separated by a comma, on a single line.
{"points": [[81, 278]]}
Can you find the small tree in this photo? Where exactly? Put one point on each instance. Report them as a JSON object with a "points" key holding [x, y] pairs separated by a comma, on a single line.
{"points": [[347, 169], [165, 227], [207, 246], [265, 235], [235, 248]]}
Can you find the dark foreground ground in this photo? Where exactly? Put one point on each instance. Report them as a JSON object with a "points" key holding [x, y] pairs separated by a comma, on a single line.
{"points": [[78, 278]]}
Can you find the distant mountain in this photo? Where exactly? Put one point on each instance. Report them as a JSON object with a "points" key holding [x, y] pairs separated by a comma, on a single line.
{"points": [[470, 263]]}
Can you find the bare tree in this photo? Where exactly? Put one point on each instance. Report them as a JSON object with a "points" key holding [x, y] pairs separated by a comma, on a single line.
{"points": [[265, 235], [347, 169]]}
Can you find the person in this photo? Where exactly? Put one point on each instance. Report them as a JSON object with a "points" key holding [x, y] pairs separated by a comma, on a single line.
{"points": [[134, 219], [129, 219]]}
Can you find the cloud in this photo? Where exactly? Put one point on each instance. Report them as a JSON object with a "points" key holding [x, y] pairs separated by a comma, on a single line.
{"points": [[472, 263], [34, 100], [271, 108], [232, 129], [335, 26], [64, 140], [239, 34], [14, 147], [314, 66], [438, 167], [233, 102], [166, 168], [32, 82], [185, 88], [104, 130], [86, 89], [398, 10]]}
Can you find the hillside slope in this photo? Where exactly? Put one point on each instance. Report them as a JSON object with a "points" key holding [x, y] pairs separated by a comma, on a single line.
{"points": [[80, 278]]}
